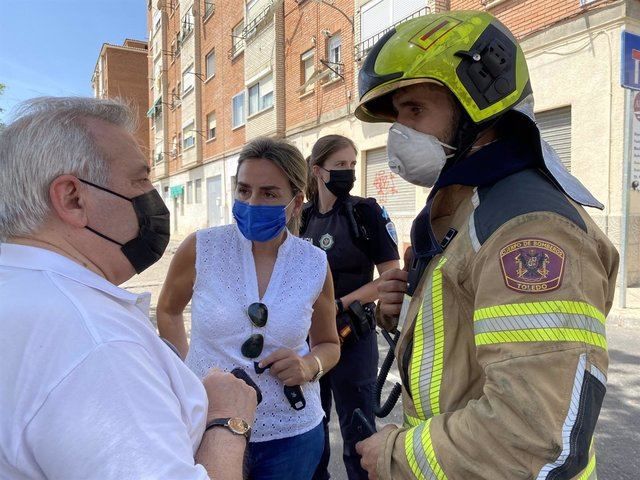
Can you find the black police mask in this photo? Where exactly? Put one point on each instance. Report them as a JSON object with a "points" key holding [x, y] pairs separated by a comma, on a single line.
{"points": [[340, 181], [154, 222]]}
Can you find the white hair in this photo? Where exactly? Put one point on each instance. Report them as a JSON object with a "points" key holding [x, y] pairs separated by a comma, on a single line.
{"points": [[49, 137]]}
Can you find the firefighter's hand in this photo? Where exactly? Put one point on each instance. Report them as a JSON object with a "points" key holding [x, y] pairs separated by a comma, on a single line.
{"points": [[371, 448], [392, 285]]}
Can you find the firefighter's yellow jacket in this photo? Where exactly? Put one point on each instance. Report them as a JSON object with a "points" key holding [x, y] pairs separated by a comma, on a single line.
{"points": [[503, 353]]}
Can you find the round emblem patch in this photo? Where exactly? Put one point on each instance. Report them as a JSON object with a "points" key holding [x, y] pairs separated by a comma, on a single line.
{"points": [[326, 241], [532, 265]]}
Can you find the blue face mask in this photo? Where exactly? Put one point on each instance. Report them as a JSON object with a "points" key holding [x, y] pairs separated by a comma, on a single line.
{"points": [[260, 223]]}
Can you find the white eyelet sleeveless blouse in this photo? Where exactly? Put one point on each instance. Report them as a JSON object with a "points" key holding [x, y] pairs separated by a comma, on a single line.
{"points": [[226, 284]]}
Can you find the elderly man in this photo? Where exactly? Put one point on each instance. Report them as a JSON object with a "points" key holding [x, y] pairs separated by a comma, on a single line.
{"points": [[87, 388]]}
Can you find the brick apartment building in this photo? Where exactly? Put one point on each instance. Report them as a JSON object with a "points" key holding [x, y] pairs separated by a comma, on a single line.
{"points": [[121, 71], [226, 71]]}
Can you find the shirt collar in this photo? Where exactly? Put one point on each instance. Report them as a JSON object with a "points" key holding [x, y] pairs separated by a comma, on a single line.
{"points": [[40, 259]]}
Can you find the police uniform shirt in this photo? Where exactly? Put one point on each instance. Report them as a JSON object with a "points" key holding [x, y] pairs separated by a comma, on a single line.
{"points": [[352, 260]]}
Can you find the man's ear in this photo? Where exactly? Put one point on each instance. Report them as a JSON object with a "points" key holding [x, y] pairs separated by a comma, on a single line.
{"points": [[68, 200]]}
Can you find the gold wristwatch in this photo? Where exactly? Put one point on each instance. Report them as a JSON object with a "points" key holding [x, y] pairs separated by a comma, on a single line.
{"points": [[235, 424]]}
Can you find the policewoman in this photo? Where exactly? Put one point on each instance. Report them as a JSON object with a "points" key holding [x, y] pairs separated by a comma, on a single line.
{"points": [[357, 234]]}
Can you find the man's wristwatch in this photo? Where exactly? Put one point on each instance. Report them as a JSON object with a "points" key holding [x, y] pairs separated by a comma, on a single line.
{"points": [[235, 424], [317, 376]]}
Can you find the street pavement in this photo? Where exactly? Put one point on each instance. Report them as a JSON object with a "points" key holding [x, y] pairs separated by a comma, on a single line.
{"points": [[618, 429]]}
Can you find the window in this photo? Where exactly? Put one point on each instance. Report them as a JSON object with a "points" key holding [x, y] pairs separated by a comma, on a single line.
{"points": [[158, 157], [334, 55], [187, 23], [236, 39], [157, 75], [174, 146], [261, 95], [307, 68], [188, 136], [251, 18], [178, 43], [210, 64], [250, 6], [188, 80], [157, 121], [211, 126], [378, 15], [209, 8], [157, 20], [189, 192], [198, 190], [555, 129], [238, 110]]}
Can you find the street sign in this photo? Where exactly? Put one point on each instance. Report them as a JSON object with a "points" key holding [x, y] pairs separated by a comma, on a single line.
{"points": [[630, 71]]}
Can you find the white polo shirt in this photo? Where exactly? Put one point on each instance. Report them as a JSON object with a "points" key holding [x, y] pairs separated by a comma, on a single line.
{"points": [[87, 388]]}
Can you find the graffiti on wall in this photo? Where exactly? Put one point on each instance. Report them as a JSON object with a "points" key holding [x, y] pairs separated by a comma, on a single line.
{"points": [[384, 183]]}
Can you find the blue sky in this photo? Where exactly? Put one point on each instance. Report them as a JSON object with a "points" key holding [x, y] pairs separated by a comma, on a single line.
{"points": [[50, 47]]}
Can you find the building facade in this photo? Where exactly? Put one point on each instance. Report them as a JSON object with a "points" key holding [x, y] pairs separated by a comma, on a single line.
{"points": [[121, 72], [288, 68]]}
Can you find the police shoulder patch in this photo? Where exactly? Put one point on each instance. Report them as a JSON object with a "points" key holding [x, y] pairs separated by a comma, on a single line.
{"points": [[532, 265], [393, 233]]}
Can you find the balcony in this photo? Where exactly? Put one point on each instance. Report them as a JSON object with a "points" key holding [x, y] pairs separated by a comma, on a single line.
{"points": [[363, 47], [258, 21], [159, 167]]}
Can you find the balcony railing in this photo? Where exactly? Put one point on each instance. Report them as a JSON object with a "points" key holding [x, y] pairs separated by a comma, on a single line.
{"points": [[252, 27], [363, 47]]}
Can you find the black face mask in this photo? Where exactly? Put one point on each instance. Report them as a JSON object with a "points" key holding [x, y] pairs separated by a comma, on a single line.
{"points": [[340, 181], [154, 222]]}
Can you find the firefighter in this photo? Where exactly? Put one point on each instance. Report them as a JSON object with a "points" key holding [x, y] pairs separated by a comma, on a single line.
{"points": [[503, 354]]}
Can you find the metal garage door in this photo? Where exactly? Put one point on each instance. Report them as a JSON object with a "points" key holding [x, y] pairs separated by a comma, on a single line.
{"points": [[391, 191], [555, 126]]}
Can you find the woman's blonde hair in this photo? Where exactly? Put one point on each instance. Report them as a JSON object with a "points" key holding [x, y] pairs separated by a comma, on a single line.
{"points": [[287, 157], [323, 149]]}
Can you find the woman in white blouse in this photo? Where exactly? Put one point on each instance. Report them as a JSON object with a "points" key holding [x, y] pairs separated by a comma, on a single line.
{"points": [[257, 292]]}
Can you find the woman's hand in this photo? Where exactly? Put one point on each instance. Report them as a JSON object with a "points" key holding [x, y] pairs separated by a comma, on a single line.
{"points": [[289, 367]]}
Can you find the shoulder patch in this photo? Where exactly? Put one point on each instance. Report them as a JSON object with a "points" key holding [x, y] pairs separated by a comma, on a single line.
{"points": [[532, 265], [393, 233]]}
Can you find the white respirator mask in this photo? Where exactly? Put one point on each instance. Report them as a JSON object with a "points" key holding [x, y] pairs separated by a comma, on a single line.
{"points": [[415, 156]]}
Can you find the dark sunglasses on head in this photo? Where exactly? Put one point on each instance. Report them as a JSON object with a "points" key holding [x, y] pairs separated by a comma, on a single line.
{"points": [[258, 314]]}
